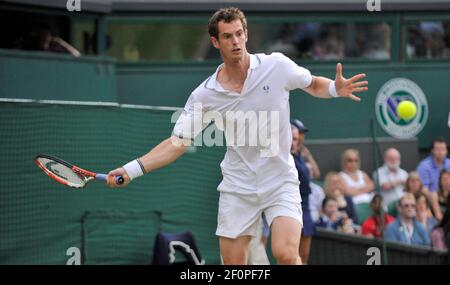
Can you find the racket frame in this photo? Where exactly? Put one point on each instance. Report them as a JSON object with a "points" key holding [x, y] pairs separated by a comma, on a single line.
{"points": [[84, 174]]}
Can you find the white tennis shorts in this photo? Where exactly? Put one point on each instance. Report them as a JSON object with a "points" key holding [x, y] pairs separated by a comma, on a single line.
{"points": [[239, 213]]}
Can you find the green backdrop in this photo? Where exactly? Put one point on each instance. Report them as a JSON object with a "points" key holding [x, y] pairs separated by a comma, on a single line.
{"points": [[41, 219]]}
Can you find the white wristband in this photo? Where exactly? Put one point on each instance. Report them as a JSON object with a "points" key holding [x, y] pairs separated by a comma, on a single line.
{"points": [[134, 169], [332, 90]]}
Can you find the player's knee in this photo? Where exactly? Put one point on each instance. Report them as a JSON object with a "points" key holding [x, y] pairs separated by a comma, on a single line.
{"points": [[234, 259], [285, 254]]}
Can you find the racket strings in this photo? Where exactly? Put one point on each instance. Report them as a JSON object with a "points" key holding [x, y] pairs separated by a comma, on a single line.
{"points": [[63, 172]]}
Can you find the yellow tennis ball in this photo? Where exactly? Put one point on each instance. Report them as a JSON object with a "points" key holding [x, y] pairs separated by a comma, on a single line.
{"points": [[406, 110]]}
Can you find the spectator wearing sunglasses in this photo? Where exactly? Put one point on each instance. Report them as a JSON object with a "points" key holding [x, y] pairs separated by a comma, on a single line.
{"points": [[357, 183], [406, 228]]}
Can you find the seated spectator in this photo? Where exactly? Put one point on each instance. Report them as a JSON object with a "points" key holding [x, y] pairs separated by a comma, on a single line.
{"points": [[329, 218], [332, 219], [431, 167], [391, 177], [40, 38], [444, 189], [414, 186], [297, 144], [440, 233], [406, 228], [424, 215], [334, 189], [304, 151], [373, 226], [357, 183]]}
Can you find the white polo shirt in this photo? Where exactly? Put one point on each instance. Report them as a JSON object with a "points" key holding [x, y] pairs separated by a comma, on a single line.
{"points": [[249, 166]]}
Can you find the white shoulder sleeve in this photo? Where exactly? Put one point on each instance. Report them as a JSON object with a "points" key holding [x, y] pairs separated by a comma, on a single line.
{"points": [[296, 76], [190, 123]]}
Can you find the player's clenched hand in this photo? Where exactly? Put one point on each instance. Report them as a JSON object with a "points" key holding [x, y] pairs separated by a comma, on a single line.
{"points": [[117, 172], [346, 87]]}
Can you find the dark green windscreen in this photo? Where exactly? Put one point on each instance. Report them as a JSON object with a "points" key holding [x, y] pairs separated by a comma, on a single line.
{"points": [[41, 219]]}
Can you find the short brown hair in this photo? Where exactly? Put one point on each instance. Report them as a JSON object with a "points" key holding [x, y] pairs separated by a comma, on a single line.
{"points": [[438, 140], [227, 15]]}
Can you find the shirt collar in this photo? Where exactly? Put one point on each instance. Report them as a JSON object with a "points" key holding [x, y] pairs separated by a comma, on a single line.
{"points": [[254, 61], [212, 82]]}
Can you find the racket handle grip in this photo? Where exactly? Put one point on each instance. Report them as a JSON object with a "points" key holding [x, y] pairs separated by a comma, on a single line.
{"points": [[119, 179]]}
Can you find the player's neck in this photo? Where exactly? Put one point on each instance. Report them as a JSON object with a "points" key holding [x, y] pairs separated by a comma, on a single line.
{"points": [[236, 70]]}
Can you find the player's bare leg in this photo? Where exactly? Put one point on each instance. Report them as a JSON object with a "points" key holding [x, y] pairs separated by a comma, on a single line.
{"points": [[234, 251], [305, 247], [286, 232]]}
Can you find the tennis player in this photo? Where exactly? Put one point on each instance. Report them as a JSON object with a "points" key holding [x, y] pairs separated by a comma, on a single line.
{"points": [[256, 179]]}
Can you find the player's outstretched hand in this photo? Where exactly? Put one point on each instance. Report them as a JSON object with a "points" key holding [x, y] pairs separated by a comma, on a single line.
{"points": [[117, 172], [346, 87]]}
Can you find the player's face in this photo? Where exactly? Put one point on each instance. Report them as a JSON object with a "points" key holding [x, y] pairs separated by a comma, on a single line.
{"points": [[439, 150], [231, 41]]}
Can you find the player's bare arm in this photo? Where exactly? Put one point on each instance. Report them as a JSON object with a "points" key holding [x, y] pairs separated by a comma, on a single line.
{"points": [[320, 86], [163, 154]]}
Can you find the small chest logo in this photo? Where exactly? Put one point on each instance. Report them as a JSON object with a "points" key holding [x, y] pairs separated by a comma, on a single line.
{"points": [[266, 88]]}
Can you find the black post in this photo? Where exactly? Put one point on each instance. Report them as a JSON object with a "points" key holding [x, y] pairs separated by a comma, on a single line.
{"points": [[376, 156]]}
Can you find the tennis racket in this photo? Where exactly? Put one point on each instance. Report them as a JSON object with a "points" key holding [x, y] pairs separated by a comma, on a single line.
{"points": [[69, 174]]}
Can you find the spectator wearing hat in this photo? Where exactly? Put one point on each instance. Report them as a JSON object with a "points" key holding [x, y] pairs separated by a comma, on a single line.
{"points": [[304, 151], [298, 138], [317, 193]]}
